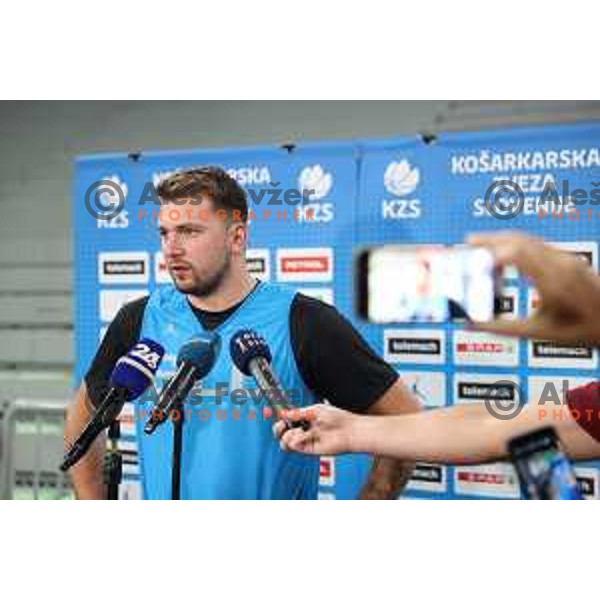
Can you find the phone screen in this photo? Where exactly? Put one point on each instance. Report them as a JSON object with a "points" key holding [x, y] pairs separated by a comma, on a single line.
{"points": [[545, 472], [426, 284]]}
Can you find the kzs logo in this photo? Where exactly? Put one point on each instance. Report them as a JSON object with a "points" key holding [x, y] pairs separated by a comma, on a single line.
{"points": [[400, 179], [320, 182]]}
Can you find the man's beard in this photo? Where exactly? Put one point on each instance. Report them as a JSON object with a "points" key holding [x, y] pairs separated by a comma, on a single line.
{"points": [[208, 285]]}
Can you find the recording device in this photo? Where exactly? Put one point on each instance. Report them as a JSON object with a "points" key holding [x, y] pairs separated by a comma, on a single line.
{"points": [[251, 355], [396, 284], [130, 378], [544, 470], [194, 361]]}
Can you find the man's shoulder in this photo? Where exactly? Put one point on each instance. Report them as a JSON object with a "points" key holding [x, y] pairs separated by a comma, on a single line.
{"points": [[314, 318], [311, 306], [276, 291], [134, 308], [129, 317]]}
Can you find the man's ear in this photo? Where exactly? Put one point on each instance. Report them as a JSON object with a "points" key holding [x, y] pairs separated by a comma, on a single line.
{"points": [[239, 237]]}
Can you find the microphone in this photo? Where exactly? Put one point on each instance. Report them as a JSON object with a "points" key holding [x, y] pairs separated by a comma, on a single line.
{"points": [[251, 355], [130, 378], [194, 361]]}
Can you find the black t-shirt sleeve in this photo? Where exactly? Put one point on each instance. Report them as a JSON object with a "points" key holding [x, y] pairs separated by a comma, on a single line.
{"points": [[335, 362], [121, 335]]}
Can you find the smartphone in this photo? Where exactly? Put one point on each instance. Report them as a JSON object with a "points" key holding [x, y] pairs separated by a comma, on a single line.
{"points": [[398, 284], [544, 470]]}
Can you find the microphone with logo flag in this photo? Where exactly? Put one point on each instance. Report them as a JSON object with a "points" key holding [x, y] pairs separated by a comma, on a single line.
{"points": [[130, 378], [251, 355], [194, 361]]}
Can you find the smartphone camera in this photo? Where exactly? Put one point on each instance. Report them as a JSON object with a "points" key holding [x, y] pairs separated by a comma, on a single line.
{"points": [[397, 284], [544, 470]]}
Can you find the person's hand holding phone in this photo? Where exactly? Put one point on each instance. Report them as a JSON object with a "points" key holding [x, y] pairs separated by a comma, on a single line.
{"points": [[569, 290]]}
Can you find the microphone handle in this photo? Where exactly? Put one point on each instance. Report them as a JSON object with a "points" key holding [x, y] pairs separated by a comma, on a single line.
{"points": [[179, 386], [108, 410], [267, 381]]}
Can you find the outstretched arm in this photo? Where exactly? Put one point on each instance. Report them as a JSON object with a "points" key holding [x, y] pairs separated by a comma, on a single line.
{"points": [[389, 476], [455, 435]]}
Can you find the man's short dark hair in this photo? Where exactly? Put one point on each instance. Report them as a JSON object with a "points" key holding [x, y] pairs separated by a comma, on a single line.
{"points": [[225, 192]]}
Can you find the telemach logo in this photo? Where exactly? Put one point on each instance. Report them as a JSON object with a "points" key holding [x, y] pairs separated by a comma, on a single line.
{"points": [[481, 391], [506, 305], [258, 261], [419, 346], [587, 485], [131, 267], [413, 346], [552, 350], [427, 473], [256, 265], [123, 267]]}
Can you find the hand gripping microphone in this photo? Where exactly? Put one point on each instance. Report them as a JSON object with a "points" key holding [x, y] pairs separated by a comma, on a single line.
{"points": [[194, 361], [130, 378], [251, 355]]}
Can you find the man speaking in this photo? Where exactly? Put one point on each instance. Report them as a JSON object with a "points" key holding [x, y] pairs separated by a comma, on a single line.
{"points": [[228, 450]]}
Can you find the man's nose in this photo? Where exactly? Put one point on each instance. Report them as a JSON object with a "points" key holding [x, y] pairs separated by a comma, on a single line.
{"points": [[172, 245]]}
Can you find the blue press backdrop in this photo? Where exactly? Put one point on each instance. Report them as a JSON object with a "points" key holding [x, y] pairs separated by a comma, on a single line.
{"points": [[368, 192]]}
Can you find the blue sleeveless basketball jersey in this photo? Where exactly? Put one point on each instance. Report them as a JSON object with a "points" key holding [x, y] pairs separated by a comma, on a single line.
{"points": [[229, 451]]}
